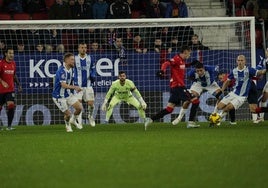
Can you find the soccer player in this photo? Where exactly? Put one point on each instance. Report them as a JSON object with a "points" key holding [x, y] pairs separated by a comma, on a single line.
{"points": [[204, 80], [63, 92], [178, 91], [252, 97], [264, 97], [121, 91], [8, 78], [243, 76], [86, 74]]}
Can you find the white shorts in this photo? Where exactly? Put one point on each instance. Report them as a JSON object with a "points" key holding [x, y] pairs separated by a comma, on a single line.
{"points": [[265, 89], [234, 99], [87, 94], [64, 103], [199, 89]]}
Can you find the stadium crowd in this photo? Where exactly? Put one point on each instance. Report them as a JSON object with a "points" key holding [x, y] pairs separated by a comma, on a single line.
{"points": [[162, 40]]}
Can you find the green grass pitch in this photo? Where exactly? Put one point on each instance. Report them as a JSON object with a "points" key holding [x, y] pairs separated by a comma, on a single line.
{"points": [[124, 155]]}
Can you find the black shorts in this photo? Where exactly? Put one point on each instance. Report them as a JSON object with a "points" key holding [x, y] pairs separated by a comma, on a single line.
{"points": [[178, 95], [4, 97], [253, 94]]}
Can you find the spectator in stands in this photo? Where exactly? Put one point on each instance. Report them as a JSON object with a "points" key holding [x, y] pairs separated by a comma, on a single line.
{"points": [[54, 41], [161, 48], [128, 37], [120, 10], [252, 8], [195, 44], [34, 6], [174, 44], [100, 9], [109, 37], [2, 48], [35, 37], [20, 47], [139, 44], [82, 10], [14, 6], [119, 48], [72, 9], [154, 9], [176, 9], [39, 48], [95, 47], [60, 10]]}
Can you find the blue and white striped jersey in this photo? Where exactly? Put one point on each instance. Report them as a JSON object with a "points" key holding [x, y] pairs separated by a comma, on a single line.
{"points": [[242, 80], [63, 75], [207, 79], [85, 70]]}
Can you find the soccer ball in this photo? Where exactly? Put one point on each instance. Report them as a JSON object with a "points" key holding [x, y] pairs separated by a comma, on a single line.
{"points": [[214, 118]]}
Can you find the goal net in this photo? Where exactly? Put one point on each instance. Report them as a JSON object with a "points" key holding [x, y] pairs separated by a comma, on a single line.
{"points": [[39, 47]]}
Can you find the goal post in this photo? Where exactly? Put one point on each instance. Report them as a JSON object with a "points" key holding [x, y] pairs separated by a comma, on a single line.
{"points": [[147, 43]]}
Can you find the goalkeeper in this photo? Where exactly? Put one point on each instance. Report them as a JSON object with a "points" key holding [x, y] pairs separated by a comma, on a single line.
{"points": [[121, 90]]}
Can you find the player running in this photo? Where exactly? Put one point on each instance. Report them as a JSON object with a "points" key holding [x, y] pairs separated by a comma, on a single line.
{"points": [[121, 91], [178, 91], [86, 74], [204, 80]]}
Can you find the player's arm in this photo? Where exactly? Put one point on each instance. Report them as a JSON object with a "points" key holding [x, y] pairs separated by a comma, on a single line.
{"points": [[67, 86], [108, 96], [16, 80], [226, 84], [138, 95]]}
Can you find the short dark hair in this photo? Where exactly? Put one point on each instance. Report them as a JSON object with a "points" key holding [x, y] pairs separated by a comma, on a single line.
{"points": [[185, 48], [122, 72], [6, 50], [199, 65], [67, 55]]}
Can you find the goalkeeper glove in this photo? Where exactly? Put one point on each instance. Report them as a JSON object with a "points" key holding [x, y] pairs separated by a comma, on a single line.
{"points": [[143, 104], [104, 105], [160, 74]]}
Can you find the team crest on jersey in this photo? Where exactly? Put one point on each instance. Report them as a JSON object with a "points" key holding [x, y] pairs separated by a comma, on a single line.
{"points": [[63, 76]]}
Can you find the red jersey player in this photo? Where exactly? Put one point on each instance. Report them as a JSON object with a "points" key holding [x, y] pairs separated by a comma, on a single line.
{"points": [[8, 79], [178, 91]]}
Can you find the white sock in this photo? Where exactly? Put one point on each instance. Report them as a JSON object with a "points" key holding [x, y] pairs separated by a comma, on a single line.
{"points": [[215, 109], [262, 104], [254, 116], [182, 113]]}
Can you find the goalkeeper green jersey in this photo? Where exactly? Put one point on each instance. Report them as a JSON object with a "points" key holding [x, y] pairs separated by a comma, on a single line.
{"points": [[122, 92]]}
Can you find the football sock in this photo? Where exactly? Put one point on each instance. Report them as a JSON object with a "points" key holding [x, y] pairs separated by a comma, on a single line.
{"points": [[232, 115], [10, 116], [193, 112], [162, 113]]}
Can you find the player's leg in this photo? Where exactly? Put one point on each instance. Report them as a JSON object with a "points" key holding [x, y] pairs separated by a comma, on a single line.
{"points": [[74, 102], [2, 102], [114, 101], [232, 116], [264, 98], [195, 90], [10, 104], [134, 102], [80, 99], [63, 107], [89, 97], [183, 110], [253, 102], [67, 116]]}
